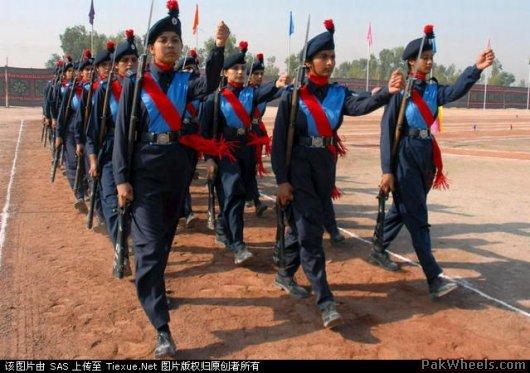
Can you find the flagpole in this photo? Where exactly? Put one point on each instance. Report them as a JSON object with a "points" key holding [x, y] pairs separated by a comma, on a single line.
{"points": [[368, 69], [6, 83], [486, 79], [289, 56], [369, 42], [528, 92], [92, 38]]}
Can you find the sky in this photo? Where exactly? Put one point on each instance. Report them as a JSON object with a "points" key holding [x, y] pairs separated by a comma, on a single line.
{"points": [[29, 29]]}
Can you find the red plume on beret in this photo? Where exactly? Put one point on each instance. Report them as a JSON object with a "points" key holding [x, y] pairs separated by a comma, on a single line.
{"points": [[129, 34], [59, 63], [193, 53], [429, 30], [330, 26], [110, 46], [172, 5], [260, 57], [87, 54], [243, 46]]}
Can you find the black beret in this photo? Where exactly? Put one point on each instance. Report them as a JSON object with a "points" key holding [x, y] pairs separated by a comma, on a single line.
{"points": [[237, 58], [169, 23], [126, 47], [323, 41]]}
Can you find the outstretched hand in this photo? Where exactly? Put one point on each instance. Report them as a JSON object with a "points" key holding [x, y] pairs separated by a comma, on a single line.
{"points": [[396, 82], [485, 59]]}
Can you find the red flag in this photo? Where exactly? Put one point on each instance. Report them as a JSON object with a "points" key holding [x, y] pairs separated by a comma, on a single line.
{"points": [[369, 35], [196, 20]]}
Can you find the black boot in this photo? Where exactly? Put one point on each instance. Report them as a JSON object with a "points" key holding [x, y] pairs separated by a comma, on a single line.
{"points": [[380, 257], [440, 287], [336, 237], [165, 347], [289, 285], [260, 209]]}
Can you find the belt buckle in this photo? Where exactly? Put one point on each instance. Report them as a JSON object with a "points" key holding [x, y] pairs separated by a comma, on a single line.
{"points": [[162, 138], [317, 142], [241, 131], [255, 121], [424, 134]]}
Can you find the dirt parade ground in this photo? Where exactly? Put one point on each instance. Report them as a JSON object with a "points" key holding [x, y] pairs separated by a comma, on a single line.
{"points": [[58, 299]]}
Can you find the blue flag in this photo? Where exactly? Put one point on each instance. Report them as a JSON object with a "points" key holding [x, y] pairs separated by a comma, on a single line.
{"points": [[291, 24], [92, 13]]}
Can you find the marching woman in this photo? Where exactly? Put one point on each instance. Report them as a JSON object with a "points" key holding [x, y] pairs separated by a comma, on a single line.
{"points": [[67, 129], [100, 138], [418, 165], [160, 171], [309, 182], [235, 109]]}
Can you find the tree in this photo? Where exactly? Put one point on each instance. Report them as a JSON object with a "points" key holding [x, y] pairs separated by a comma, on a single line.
{"points": [[270, 68], [500, 77], [76, 38], [209, 45], [50, 64], [292, 62]]}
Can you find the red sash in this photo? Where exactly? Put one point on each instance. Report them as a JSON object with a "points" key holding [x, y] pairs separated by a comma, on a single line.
{"points": [[323, 127], [238, 107], [192, 110], [440, 180], [173, 118], [166, 108], [115, 87], [260, 142]]}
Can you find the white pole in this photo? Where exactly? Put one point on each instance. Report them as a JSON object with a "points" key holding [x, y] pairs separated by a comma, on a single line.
{"points": [[488, 46], [289, 56], [528, 92], [368, 69], [485, 89], [6, 83]]}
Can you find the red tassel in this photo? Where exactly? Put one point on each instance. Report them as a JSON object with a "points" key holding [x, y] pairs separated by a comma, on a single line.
{"points": [[110, 46], [220, 149], [243, 46], [440, 181], [330, 26], [260, 57], [193, 53], [129, 34], [336, 193], [339, 144], [428, 30], [172, 5]]}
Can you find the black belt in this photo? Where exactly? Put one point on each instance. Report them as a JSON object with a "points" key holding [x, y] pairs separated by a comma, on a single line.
{"points": [[316, 141], [164, 138], [422, 134], [234, 132]]}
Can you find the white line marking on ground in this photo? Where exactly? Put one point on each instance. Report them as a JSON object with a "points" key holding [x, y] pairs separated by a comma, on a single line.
{"points": [[5, 210], [460, 281]]}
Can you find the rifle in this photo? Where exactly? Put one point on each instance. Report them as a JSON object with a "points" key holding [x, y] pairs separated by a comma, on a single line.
{"points": [[382, 197], [121, 239], [211, 183], [101, 135], [67, 113], [281, 214]]}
